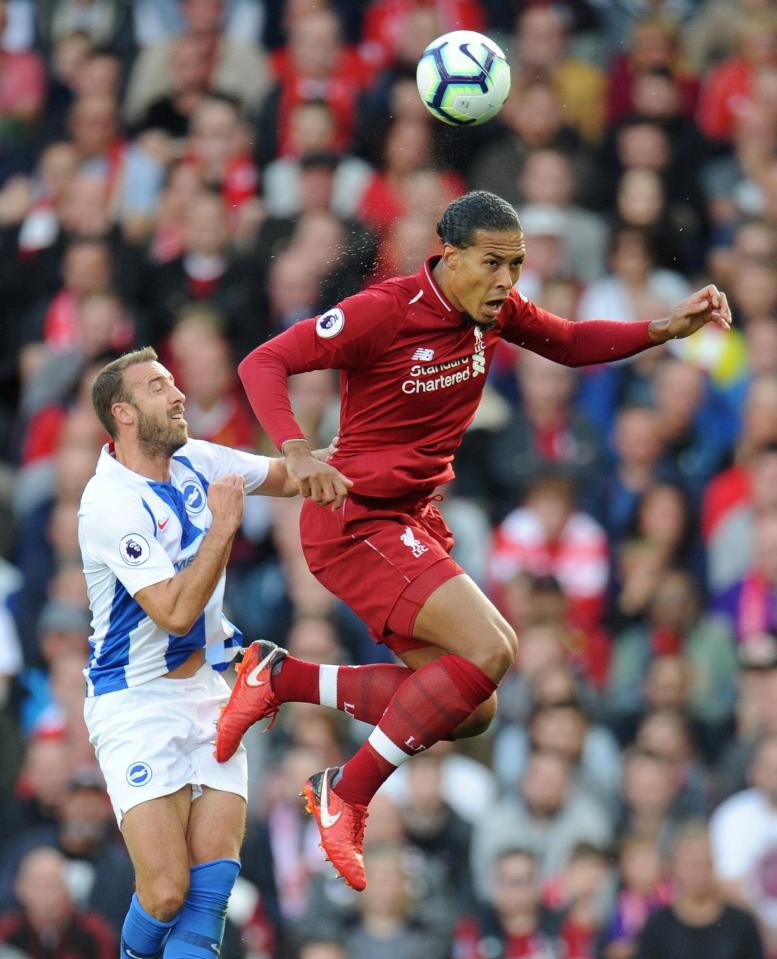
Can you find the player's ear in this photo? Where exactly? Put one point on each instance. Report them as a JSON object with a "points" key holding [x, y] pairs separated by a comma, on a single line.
{"points": [[122, 413], [450, 256]]}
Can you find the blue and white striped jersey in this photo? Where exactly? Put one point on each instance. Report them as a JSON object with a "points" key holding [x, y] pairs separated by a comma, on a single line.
{"points": [[135, 532]]}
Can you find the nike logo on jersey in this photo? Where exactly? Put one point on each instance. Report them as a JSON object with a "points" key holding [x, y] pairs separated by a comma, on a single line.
{"points": [[327, 819], [163, 522], [253, 677]]}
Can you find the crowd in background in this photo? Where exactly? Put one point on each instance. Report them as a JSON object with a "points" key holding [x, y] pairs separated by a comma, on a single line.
{"points": [[199, 175]]}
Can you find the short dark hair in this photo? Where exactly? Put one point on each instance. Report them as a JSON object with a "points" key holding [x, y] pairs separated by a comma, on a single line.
{"points": [[108, 386], [479, 210]]}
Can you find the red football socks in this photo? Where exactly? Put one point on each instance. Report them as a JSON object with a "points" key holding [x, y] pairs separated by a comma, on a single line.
{"points": [[427, 707], [361, 691]]}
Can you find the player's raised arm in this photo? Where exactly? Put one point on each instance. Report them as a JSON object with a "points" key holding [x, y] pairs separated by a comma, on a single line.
{"points": [[337, 339], [590, 342]]}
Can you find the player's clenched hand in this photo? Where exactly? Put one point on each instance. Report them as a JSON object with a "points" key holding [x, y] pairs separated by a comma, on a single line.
{"points": [[226, 499], [316, 480], [708, 305]]}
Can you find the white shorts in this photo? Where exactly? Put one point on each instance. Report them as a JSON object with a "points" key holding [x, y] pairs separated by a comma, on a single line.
{"points": [[152, 739]]}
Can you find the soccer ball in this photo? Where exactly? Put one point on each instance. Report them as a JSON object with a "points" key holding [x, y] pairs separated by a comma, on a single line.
{"points": [[463, 78]]}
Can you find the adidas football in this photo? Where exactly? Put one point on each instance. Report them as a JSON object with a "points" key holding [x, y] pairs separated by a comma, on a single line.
{"points": [[463, 78]]}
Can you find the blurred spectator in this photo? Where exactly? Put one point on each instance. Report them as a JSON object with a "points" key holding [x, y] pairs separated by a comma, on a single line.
{"points": [[581, 898], [98, 869], [540, 47], [687, 407], [562, 728], [235, 67], [638, 449], [675, 626], [546, 434], [547, 812], [643, 890], [312, 132], [439, 833], [511, 917], [633, 280], [106, 23], [207, 272], [726, 89], [737, 496], [48, 923], [665, 732], [22, 88], [711, 34], [750, 605], [548, 178], [189, 85], [201, 356], [548, 536], [531, 119], [388, 22], [655, 45], [407, 149], [648, 793], [314, 65], [698, 920], [219, 152], [130, 173]]}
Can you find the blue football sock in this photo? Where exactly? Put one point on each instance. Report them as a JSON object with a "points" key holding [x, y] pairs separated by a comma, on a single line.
{"points": [[143, 936], [200, 927]]}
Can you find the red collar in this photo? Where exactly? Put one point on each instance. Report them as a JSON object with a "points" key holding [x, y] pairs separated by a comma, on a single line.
{"points": [[433, 294]]}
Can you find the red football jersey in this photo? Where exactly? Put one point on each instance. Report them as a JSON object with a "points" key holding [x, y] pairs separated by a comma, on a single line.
{"points": [[413, 370]]}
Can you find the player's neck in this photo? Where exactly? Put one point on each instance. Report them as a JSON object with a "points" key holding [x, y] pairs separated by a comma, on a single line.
{"points": [[154, 465], [442, 277]]}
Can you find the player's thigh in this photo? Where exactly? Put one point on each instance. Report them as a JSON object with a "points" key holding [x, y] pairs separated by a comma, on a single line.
{"points": [[216, 826], [458, 617], [155, 835]]}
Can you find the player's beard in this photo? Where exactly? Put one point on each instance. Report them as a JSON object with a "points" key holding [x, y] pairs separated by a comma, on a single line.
{"points": [[160, 439]]}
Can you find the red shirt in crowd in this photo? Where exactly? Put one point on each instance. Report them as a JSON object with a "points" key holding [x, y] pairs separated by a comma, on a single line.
{"points": [[413, 369]]}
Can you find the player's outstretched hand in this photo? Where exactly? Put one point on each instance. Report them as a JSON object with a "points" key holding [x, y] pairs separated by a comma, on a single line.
{"points": [[226, 499], [708, 305], [315, 479]]}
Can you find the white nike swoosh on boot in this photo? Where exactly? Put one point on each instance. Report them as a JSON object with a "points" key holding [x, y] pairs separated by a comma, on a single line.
{"points": [[251, 678], [326, 819]]}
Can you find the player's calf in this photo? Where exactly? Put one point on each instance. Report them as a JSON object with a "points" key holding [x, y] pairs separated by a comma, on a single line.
{"points": [[478, 721]]}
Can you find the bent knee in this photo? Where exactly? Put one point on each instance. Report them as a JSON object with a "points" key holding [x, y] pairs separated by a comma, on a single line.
{"points": [[478, 720], [497, 653], [164, 897]]}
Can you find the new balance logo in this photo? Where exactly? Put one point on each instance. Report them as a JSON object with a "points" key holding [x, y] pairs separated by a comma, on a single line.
{"points": [[423, 354], [415, 545]]}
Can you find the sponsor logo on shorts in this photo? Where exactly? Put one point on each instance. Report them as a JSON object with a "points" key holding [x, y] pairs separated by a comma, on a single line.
{"points": [[134, 549], [138, 774], [413, 544], [193, 496], [331, 323]]}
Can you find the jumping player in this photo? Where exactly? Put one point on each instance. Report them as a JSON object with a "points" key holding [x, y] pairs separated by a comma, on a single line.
{"points": [[155, 526], [414, 353]]}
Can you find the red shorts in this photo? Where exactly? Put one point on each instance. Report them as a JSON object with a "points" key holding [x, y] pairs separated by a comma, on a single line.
{"points": [[383, 559]]}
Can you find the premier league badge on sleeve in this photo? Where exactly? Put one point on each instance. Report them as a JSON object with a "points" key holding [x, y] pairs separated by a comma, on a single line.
{"points": [[134, 549], [331, 323]]}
